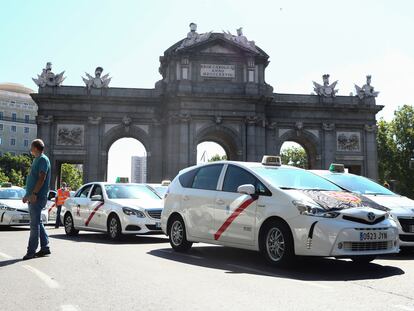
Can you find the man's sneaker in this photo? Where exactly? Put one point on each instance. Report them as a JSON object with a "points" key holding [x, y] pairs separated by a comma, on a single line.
{"points": [[43, 253], [28, 256]]}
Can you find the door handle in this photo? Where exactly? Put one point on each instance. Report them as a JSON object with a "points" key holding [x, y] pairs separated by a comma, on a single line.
{"points": [[220, 202], [185, 198]]}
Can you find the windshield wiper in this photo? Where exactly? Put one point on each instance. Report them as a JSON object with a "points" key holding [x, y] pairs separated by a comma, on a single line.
{"points": [[288, 188]]}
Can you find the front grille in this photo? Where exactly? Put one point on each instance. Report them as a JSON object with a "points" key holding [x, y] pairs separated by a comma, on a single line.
{"points": [[407, 224], [407, 237], [367, 246], [363, 221], [155, 213]]}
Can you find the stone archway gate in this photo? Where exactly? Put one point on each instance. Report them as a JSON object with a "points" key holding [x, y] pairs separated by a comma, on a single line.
{"points": [[210, 90]]}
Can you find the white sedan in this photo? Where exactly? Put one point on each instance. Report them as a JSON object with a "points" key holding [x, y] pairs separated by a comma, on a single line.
{"points": [[279, 210], [113, 208], [13, 212], [400, 207]]}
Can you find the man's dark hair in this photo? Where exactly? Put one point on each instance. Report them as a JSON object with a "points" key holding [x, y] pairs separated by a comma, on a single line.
{"points": [[38, 144]]}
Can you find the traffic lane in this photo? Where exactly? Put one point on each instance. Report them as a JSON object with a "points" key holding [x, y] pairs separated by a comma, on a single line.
{"points": [[103, 275]]}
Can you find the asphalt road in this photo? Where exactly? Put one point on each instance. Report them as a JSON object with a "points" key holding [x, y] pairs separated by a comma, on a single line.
{"points": [[143, 273]]}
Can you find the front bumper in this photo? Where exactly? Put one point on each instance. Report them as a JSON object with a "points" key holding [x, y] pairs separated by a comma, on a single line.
{"points": [[17, 218], [342, 238], [135, 225], [405, 229]]}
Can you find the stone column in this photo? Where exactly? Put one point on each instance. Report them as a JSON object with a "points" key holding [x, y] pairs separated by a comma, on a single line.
{"points": [[329, 145], [271, 136], [93, 138], [371, 165], [155, 154], [184, 151], [251, 138]]}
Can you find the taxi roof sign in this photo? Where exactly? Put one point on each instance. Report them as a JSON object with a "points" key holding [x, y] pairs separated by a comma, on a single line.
{"points": [[122, 180], [272, 160], [6, 185], [166, 182], [337, 168]]}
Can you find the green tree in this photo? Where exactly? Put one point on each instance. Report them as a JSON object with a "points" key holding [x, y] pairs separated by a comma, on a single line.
{"points": [[16, 168], [217, 157], [71, 175], [3, 177], [295, 156]]}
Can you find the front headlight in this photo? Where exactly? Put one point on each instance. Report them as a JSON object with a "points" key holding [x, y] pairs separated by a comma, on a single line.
{"points": [[130, 211], [309, 209], [7, 208]]}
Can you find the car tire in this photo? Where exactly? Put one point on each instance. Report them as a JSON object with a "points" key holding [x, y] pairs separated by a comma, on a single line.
{"points": [[114, 228], [276, 243], [177, 235], [69, 225], [363, 260]]}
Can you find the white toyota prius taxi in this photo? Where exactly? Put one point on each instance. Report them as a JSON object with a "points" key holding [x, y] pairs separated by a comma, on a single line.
{"points": [[281, 211], [400, 207], [13, 211], [113, 208]]}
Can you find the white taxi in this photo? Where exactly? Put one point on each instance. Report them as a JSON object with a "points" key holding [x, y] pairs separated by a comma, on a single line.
{"points": [[279, 210], [13, 211], [113, 208], [401, 208]]}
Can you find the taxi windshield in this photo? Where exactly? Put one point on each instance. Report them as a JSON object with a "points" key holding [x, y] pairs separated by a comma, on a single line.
{"points": [[357, 184], [289, 178], [119, 191], [11, 194]]}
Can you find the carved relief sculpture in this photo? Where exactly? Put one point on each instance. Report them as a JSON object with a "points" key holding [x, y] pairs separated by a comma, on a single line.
{"points": [[48, 78], [325, 90], [348, 141], [97, 82], [70, 135], [366, 90]]}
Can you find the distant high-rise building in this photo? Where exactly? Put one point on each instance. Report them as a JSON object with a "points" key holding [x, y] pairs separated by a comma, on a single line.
{"points": [[17, 119], [139, 169]]}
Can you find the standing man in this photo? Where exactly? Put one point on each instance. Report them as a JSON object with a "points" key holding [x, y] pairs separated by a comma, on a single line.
{"points": [[37, 187], [62, 194]]}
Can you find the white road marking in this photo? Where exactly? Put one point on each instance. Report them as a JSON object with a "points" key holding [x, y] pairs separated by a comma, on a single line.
{"points": [[44, 277], [5, 256], [406, 308], [309, 283], [69, 308]]}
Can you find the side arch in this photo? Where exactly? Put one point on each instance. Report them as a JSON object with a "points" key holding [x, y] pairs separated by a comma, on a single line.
{"points": [[308, 141]]}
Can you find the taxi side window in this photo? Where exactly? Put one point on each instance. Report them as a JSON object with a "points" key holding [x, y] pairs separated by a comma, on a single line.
{"points": [[83, 193], [236, 176], [97, 190], [207, 177], [186, 179]]}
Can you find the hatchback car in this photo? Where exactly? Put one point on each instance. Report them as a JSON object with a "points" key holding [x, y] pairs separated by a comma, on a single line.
{"points": [[113, 208], [281, 211], [401, 208]]}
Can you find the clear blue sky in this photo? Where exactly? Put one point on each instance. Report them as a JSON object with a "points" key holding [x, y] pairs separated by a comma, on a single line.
{"points": [[305, 39]]}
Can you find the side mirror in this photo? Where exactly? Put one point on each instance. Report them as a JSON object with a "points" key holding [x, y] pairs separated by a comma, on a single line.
{"points": [[97, 197], [246, 189], [51, 196], [53, 199]]}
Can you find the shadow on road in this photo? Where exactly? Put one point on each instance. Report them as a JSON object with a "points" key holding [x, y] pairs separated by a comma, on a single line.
{"points": [[305, 269], [8, 228], [8, 262], [102, 238]]}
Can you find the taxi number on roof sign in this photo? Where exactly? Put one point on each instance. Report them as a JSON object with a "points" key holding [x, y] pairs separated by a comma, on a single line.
{"points": [[373, 236]]}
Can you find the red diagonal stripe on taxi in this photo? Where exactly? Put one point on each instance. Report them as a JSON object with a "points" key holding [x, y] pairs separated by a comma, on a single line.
{"points": [[93, 213], [53, 205], [232, 217]]}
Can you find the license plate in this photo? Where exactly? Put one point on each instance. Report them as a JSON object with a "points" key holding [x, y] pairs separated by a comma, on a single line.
{"points": [[25, 217], [411, 228], [373, 236], [158, 225]]}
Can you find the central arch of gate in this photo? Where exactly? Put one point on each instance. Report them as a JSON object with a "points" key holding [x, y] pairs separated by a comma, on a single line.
{"points": [[212, 90]]}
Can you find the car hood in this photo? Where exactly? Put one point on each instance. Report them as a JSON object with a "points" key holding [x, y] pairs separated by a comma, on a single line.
{"points": [[18, 204], [147, 204], [393, 202], [338, 200]]}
